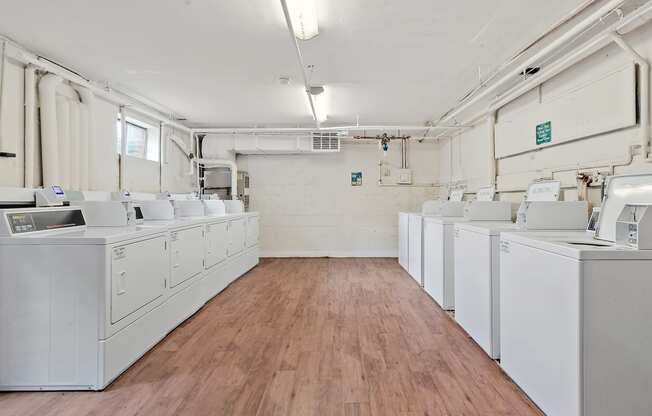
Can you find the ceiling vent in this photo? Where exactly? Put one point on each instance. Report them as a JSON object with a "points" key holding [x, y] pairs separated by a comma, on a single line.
{"points": [[325, 141]]}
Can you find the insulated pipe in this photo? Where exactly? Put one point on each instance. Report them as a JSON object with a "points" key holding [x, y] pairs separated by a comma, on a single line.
{"points": [[87, 138], [49, 128], [30, 125], [306, 84], [63, 128], [561, 40], [214, 163], [644, 93], [75, 125], [83, 165]]}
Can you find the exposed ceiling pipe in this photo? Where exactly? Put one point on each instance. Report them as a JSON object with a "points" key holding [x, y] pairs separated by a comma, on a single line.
{"points": [[630, 22], [532, 60], [112, 95], [281, 130], [306, 84], [644, 92]]}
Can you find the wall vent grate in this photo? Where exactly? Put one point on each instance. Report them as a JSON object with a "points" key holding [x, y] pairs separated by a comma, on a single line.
{"points": [[325, 142]]}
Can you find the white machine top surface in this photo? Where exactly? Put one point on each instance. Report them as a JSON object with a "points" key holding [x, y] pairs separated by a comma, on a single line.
{"points": [[578, 245], [487, 227], [185, 222], [543, 191], [86, 236], [621, 190], [444, 220], [486, 194]]}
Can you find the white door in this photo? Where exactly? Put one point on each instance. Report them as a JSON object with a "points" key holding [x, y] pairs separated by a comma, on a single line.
{"points": [[473, 288], [253, 230], [138, 275], [415, 247], [540, 326], [237, 230], [187, 247], [433, 244], [217, 243], [403, 235]]}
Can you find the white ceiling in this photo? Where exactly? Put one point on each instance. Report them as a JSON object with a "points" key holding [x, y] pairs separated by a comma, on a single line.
{"points": [[217, 62]]}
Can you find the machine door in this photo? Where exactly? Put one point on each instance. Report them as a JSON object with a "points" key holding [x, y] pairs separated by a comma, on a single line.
{"points": [[237, 229], [252, 231], [217, 243], [138, 275], [187, 254]]}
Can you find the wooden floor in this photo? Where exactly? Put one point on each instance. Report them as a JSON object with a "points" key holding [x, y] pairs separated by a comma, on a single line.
{"points": [[305, 337]]}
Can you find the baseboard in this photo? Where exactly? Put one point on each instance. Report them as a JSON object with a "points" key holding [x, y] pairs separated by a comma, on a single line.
{"points": [[325, 253]]}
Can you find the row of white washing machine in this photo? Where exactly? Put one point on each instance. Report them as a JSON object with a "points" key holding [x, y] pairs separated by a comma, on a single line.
{"points": [[565, 310], [79, 304]]}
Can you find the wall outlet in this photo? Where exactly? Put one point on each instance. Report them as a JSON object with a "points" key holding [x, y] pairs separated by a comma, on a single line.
{"points": [[404, 176]]}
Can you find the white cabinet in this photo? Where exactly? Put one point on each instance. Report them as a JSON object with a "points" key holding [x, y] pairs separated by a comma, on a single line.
{"points": [[253, 231], [403, 235], [439, 261], [217, 243], [415, 254], [237, 229], [187, 251], [138, 275]]}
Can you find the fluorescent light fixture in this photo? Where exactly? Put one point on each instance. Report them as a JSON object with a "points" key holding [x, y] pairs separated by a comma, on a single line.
{"points": [[303, 14], [321, 105]]}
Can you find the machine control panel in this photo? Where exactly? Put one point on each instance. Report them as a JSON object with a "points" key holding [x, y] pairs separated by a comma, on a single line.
{"points": [[634, 226], [22, 222]]}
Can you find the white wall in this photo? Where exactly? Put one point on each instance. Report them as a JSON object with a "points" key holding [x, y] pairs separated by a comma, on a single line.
{"points": [[585, 103], [309, 208], [142, 175]]}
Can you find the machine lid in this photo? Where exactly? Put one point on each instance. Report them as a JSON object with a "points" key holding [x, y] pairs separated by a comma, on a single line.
{"points": [[486, 194], [621, 190], [457, 195], [543, 191]]}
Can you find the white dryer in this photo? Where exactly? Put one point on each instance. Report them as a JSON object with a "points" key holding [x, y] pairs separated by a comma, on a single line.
{"points": [[575, 311], [78, 305]]}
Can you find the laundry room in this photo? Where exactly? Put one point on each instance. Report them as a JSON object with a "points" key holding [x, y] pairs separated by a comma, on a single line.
{"points": [[311, 207]]}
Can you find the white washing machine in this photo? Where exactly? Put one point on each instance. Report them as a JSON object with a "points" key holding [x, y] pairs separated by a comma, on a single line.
{"points": [[78, 305], [416, 226], [403, 239], [477, 282], [439, 249], [575, 311]]}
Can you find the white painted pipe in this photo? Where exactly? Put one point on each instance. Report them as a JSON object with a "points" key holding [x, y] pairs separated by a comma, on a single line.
{"points": [[643, 93], [84, 129], [280, 130], [87, 139], [30, 125], [111, 95], [213, 163], [63, 127], [532, 60], [49, 128], [123, 150], [491, 124], [75, 154]]}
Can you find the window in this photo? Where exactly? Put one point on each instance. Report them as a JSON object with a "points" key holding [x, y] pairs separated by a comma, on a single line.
{"points": [[143, 139]]}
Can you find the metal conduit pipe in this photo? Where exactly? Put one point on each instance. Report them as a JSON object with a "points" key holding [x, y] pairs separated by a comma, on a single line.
{"points": [[643, 93], [561, 40]]}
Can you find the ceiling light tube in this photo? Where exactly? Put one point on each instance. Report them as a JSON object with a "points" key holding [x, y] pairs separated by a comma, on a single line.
{"points": [[303, 14]]}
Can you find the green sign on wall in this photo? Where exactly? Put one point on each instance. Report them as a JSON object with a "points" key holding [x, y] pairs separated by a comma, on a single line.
{"points": [[544, 133]]}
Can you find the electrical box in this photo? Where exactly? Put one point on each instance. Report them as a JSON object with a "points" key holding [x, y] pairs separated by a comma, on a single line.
{"points": [[634, 226], [404, 176]]}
